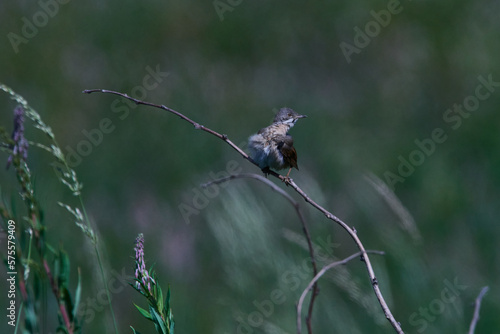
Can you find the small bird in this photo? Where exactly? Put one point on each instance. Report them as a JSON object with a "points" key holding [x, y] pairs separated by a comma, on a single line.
{"points": [[272, 147]]}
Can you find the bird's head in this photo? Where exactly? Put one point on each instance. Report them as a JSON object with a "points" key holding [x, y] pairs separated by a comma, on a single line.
{"points": [[287, 116]]}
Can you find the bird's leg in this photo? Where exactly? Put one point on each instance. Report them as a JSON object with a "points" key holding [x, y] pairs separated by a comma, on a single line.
{"points": [[287, 177]]}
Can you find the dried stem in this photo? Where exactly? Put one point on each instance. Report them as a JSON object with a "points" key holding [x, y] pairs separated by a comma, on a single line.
{"points": [[477, 306], [317, 277], [352, 232], [296, 205], [196, 125]]}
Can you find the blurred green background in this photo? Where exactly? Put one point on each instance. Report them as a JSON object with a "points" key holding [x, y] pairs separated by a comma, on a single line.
{"points": [[230, 64]]}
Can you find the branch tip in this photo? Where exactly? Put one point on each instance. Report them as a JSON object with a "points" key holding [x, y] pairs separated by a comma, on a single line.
{"points": [[475, 317], [329, 215]]}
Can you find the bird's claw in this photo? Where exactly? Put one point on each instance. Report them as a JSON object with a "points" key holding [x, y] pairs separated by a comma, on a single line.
{"points": [[287, 180]]}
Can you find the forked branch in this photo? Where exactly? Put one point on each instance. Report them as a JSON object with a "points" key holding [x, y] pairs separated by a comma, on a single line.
{"points": [[318, 276], [352, 232], [296, 206]]}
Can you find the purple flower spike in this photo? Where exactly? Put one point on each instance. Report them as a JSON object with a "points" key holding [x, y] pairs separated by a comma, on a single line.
{"points": [[20, 143], [141, 273]]}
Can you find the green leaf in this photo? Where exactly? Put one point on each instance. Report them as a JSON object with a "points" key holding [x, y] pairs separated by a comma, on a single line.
{"points": [[159, 298], [78, 294], [61, 329], [66, 300], [172, 325], [50, 248], [133, 285], [133, 329], [30, 317], [168, 312], [63, 266], [144, 313], [167, 300], [160, 324]]}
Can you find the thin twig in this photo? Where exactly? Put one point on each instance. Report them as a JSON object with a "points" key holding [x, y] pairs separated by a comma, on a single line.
{"points": [[196, 125], [296, 205], [477, 306], [352, 232], [260, 178], [318, 276]]}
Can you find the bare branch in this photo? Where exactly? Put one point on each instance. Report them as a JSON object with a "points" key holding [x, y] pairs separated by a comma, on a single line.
{"points": [[260, 178], [352, 232], [318, 276], [196, 125], [296, 205], [477, 306]]}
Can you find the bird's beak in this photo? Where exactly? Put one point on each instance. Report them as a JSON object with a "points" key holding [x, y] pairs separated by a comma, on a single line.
{"points": [[301, 116]]}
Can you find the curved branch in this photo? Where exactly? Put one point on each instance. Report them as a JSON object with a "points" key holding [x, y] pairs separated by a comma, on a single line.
{"points": [[260, 178], [477, 306], [296, 205], [196, 125], [318, 276], [352, 232]]}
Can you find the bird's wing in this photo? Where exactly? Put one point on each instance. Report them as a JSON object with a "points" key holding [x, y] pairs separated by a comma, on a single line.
{"points": [[285, 145]]}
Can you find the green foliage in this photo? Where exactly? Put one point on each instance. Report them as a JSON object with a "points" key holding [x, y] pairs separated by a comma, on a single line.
{"points": [[56, 274], [146, 283], [229, 75]]}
